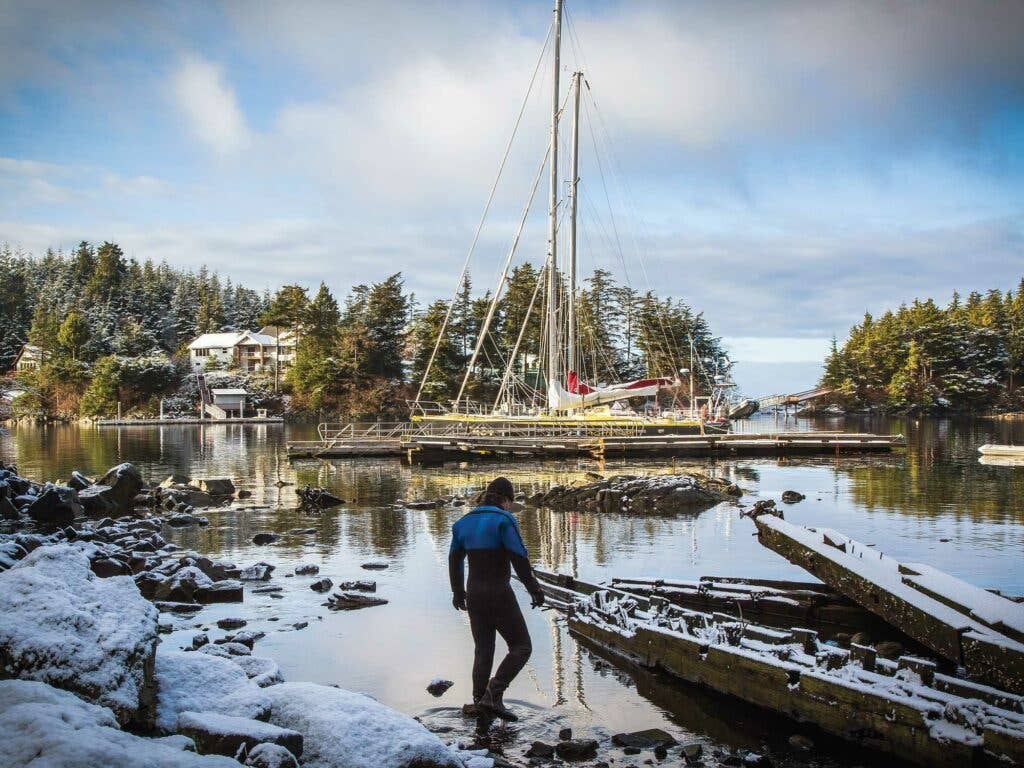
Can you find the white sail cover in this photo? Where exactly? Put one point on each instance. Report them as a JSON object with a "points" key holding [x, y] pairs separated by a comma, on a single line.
{"points": [[584, 396]]}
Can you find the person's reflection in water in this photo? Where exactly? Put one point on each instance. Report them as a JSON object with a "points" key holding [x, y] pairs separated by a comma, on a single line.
{"points": [[489, 536]]}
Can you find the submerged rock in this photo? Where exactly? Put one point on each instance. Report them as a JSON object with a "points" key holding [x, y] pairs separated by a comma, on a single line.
{"points": [[792, 497], [649, 739], [321, 585], [220, 486], [576, 749], [438, 686], [350, 601]]}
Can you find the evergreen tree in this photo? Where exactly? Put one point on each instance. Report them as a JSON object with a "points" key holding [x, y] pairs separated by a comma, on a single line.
{"points": [[386, 317], [73, 334]]}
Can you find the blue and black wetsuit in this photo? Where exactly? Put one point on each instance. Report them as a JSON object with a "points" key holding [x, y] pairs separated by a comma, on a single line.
{"points": [[490, 538]]}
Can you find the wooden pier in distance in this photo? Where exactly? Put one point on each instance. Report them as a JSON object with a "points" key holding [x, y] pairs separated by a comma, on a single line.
{"points": [[420, 444], [432, 448]]}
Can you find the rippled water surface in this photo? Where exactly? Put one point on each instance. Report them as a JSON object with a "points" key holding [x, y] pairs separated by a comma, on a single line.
{"points": [[906, 503]]}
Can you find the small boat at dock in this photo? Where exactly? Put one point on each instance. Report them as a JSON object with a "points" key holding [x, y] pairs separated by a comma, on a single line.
{"points": [[1009, 451]]}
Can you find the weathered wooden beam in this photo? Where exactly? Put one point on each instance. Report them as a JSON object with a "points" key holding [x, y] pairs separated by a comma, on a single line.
{"points": [[876, 582]]}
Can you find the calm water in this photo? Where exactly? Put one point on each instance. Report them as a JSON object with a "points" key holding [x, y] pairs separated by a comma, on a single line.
{"points": [[904, 502]]}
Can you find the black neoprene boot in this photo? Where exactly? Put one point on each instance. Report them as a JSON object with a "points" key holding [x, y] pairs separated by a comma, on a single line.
{"points": [[492, 702]]}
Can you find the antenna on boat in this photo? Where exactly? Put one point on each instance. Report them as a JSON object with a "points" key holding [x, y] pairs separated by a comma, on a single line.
{"points": [[552, 291]]}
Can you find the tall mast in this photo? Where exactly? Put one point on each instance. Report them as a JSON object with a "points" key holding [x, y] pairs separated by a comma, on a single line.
{"points": [[552, 292], [570, 356]]}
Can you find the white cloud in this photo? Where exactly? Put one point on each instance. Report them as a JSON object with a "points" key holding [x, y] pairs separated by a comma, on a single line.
{"points": [[201, 93]]}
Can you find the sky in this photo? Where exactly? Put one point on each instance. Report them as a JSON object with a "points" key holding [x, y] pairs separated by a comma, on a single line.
{"points": [[783, 167]]}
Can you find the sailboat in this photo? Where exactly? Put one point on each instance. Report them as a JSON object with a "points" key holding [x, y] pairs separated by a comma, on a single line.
{"points": [[565, 401]]}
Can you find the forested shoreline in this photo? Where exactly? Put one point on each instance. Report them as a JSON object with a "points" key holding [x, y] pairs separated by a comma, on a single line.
{"points": [[113, 331], [965, 356]]}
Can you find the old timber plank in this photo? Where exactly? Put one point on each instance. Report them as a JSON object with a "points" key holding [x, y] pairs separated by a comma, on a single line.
{"points": [[876, 582]]}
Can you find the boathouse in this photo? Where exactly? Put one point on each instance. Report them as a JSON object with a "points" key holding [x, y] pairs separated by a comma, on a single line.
{"points": [[28, 359]]}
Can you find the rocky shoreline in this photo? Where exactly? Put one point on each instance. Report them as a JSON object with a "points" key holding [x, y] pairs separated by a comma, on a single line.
{"points": [[86, 583], [635, 494]]}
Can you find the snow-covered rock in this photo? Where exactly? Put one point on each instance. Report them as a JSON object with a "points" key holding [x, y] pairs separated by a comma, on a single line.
{"points": [[44, 726], [198, 682], [63, 625], [270, 756], [346, 730], [219, 734], [260, 669]]}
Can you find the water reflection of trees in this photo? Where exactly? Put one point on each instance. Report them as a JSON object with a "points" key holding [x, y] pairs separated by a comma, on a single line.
{"points": [[939, 473]]}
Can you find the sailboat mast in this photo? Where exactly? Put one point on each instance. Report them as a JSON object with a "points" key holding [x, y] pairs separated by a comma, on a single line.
{"points": [[571, 349], [552, 292]]}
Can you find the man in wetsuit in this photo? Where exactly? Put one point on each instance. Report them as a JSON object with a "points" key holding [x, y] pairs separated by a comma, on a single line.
{"points": [[490, 537]]}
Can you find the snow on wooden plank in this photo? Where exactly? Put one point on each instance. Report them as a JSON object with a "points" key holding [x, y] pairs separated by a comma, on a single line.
{"points": [[876, 582]]}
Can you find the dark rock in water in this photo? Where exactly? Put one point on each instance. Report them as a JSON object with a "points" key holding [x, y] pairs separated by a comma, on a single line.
{"points": [[266, 590], [198, 641], [257, 572], [220, 592], [438, 687], [56, 506], [175, 479], [79, 481], [792, 497], [423, 504], [307, 569], [565, 734], [358, 586], [220, 486], [649, 739], [265, 538], [125, 483], [375, 565], [692, 752], [8, 511], [321, 585], [217, 734], [318, 497], [186, 520], [182, 586], [576, 749], [351, 601], [270, 756], [801, 743], [660, 752], [244, 494], [148, 583], [300, 625], [231, 622], [638, 495], [540, 749]]}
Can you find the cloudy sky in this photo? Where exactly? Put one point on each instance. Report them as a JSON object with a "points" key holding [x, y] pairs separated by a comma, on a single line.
{"points": [[783, 167]]}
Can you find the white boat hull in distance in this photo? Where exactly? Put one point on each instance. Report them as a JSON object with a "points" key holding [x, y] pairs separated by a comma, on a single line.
{"points": [[560, 399], [993, 449]]}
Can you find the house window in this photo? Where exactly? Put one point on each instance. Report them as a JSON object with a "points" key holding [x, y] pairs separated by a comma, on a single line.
{"points": [[202, 352]]}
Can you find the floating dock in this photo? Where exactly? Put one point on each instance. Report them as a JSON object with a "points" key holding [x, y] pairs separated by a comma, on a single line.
{"points": [[432, 448], [188, 420], [907, 708]]}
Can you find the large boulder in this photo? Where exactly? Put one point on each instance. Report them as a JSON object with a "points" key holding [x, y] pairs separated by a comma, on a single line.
{"points": [[345, 729], [63, 625], [44, 726], [219, 734], [98, 500], [56, 506], [198, 682], [125, 483], [669, 494]]}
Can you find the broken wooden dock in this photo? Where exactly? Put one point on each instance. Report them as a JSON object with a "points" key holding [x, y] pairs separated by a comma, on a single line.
{"points": [[906, 708], [981, 631]]}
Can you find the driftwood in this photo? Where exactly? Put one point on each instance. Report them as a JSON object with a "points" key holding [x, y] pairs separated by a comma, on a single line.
{"points": [[351, 601]]}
